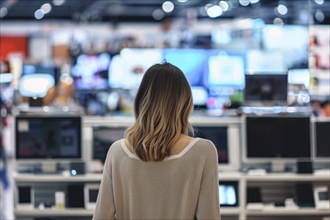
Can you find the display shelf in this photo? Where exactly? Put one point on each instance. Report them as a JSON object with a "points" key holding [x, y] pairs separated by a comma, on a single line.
{"points": [[293, 177], [287, 212], [53, 212], [229, 211], [43, 178]]}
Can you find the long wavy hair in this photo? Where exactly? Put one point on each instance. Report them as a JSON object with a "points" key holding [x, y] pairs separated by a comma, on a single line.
{"points": [[162, 107]]}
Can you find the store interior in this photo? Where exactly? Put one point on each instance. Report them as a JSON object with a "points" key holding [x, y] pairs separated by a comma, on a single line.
{"points": [[259, 72]]}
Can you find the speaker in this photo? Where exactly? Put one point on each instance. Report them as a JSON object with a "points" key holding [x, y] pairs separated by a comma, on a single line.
{"points": [[75, 195], [304, 167], [305, 195]]}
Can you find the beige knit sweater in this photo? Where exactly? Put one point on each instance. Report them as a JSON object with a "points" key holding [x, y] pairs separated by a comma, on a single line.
{"points": [[183, 186]]}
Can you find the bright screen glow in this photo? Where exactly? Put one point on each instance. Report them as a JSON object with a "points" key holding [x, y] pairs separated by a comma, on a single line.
{"points": [[227, 194], [192, 62], [299, 76], [91, 71], [226, 70], [127, 69], [35, 85]]}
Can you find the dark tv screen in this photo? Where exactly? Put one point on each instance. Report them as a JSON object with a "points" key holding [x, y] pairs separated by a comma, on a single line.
{"points": [[48, 137], [322, 138], [103, 138], [90, 72], [266, 87], [278, 137], [218, 135]]}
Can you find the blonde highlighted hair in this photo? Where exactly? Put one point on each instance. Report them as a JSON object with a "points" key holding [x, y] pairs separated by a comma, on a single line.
{"points": [[162, 107]]}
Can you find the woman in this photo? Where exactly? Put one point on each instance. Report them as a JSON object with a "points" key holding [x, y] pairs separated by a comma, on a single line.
{"points": [[158, 171]]}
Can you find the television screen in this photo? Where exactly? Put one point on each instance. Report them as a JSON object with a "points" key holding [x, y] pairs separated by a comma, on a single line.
{"points": [[128, 67], [48, 137], [228, 194], [90, 72], [322, 139], [103, 138], [226, 70], [285, 37], [218, 135], [266, 87], [278, 137], [192, 62], [36, 80], [299, 76]]}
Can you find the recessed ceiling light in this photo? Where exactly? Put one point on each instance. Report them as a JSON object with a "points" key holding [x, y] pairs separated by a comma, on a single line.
{"points": [[58, 2], [46, 8], [244, 2], [39, 14], [157, 14], [282, 9], [224, 5], [214, 11], [168, 6], [3, 12]]}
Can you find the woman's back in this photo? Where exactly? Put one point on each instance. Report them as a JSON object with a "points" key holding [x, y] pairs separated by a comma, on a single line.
{"points": [[182, 186]]}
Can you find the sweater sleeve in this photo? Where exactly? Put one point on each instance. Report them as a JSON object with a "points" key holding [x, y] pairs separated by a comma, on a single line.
{"points": [[208, 206], [105, 207]]}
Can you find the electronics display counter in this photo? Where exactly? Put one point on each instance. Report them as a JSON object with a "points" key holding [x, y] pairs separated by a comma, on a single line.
{"points": [[244, 195]]}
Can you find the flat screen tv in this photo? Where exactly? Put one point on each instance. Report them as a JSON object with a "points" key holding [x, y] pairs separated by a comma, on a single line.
{"points": [[48, 137], [226, 69], [103, 138], [218, 135], [128, 67], [263, 89], [277, 137], [322, 139], [90, 72]]}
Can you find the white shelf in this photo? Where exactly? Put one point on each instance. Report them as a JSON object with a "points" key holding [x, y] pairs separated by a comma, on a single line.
{"points": [[287, 177], [287, 212], [229, 211], [53, 212], [56, 178]]}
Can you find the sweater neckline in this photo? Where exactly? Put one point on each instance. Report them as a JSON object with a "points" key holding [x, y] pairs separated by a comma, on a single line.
{"points": [[175, 156]]}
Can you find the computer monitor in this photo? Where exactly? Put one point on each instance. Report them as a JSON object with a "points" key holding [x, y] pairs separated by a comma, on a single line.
{"points": [[226, 69], [45, 137], [128, 67], [90, 72], [228, 193], [103, 138], [218, 135], [36, 80], [265, 89], [192, 62], [322, 139], [273, 137]]}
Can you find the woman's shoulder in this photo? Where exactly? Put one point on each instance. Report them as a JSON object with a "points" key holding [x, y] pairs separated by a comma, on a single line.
{"points": [[205, 145]]}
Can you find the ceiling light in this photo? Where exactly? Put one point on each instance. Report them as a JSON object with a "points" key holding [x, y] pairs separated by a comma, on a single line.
{"points": [[39, 14], [214, 11], [58, 2], [278, 21], [282, 9], [319, 2], [3, 12], [168, 6], [46, 8], [157, 14], [319, 16], [224, 5], [182, 1], [254, 1], [244, 2]]}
